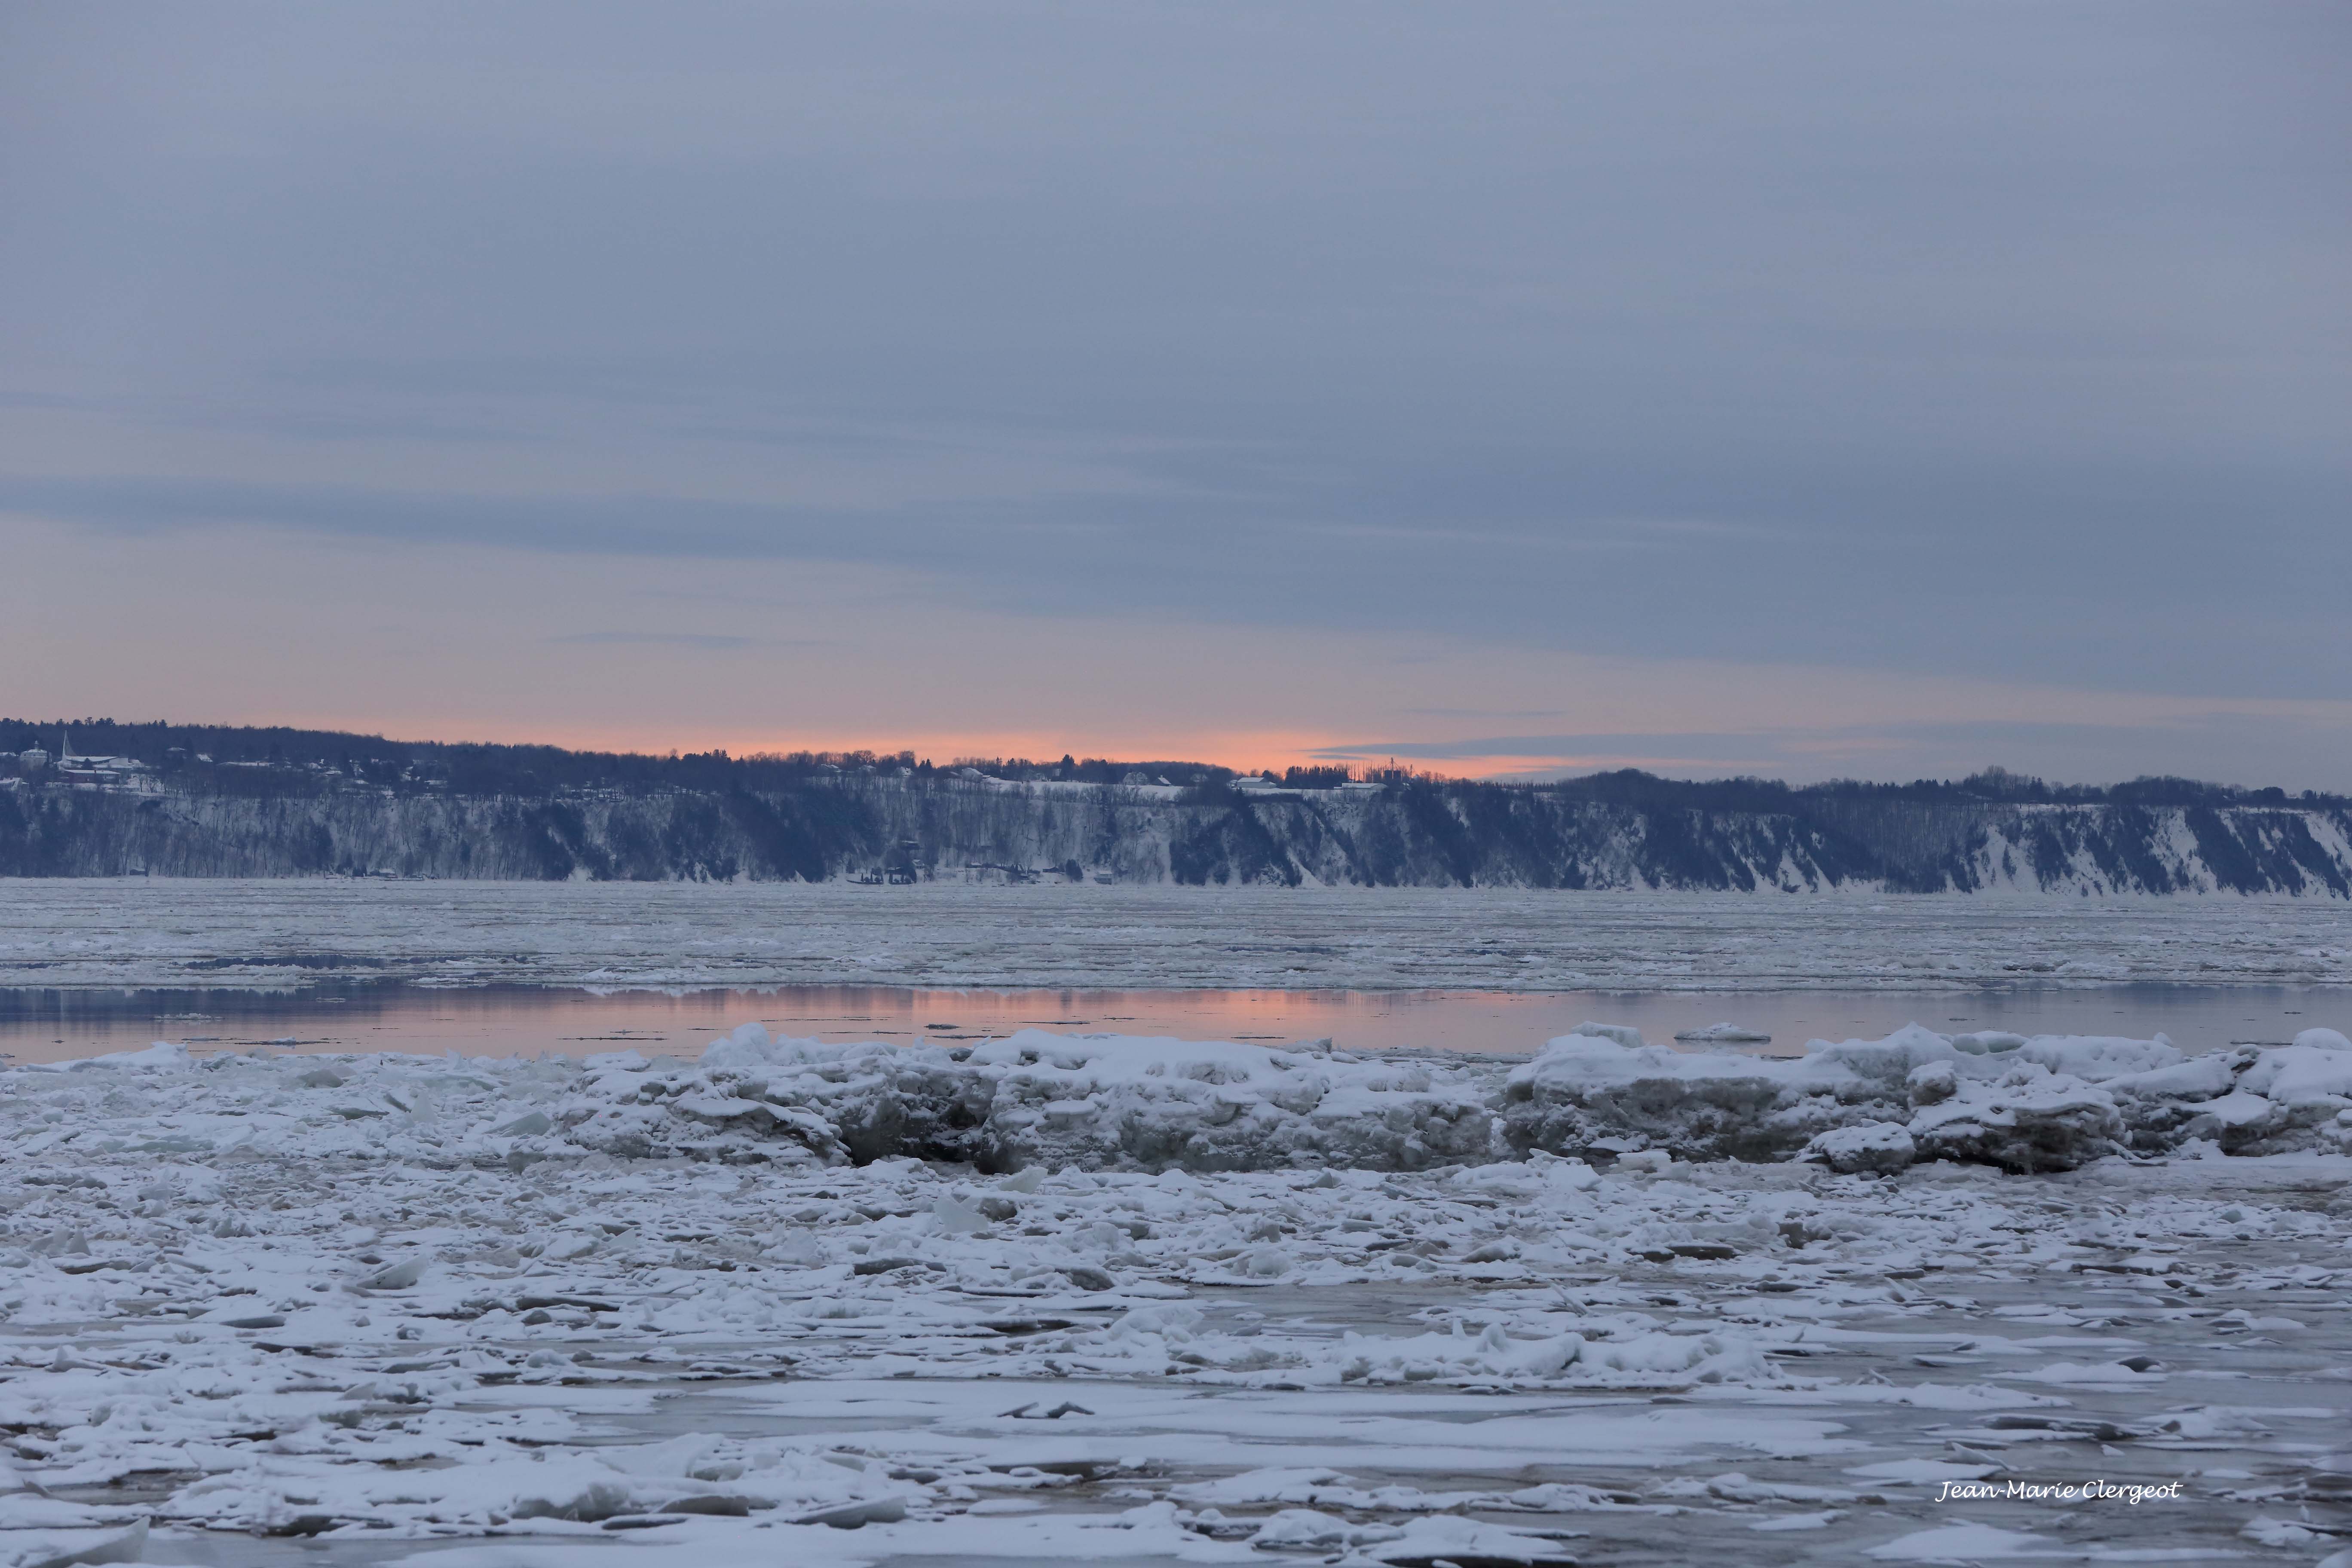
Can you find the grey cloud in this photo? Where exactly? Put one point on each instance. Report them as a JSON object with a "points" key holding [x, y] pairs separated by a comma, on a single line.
{"points": [[1894, 571], [1486, 712]]}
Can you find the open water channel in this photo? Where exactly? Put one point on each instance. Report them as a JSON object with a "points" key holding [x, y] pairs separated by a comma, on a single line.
{"points": [[39, 1025]]}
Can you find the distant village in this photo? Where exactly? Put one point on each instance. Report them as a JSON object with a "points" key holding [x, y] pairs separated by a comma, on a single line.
{"points": [[67, 769], [183, 769], [38, 768]]}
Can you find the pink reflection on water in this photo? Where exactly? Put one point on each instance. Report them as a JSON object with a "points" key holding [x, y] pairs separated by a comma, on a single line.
{"points": [[57, 1026]]}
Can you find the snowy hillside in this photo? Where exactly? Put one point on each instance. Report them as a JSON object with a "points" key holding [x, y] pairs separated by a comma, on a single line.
{"points": [[946, 825]]}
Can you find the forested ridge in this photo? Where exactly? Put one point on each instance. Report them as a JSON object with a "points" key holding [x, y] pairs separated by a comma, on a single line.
{"points": [[216, 801]]}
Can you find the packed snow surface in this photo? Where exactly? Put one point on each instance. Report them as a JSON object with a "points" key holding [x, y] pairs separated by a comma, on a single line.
{"points": [[175, 932], [1102, 1300]]}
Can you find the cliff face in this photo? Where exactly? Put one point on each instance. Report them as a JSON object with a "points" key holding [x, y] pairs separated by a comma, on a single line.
{"points": [[1418, 834]]}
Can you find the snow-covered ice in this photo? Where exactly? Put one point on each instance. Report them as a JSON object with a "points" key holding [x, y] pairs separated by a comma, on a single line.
{"points": [[1103, 1300], [2052, 1102]]}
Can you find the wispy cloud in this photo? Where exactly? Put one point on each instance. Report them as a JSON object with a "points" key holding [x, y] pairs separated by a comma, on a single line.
{"points": [[671, 640]]}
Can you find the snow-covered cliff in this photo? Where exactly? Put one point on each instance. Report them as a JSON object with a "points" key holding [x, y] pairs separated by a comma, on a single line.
{"points": [[937, 825]]}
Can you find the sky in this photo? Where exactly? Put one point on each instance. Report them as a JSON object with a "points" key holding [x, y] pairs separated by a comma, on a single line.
{"points": [[1809, 390]]}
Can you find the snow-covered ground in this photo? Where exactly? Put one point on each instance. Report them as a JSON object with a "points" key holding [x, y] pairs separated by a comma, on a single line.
{"points": [[171, 932], [1157, 1301]]}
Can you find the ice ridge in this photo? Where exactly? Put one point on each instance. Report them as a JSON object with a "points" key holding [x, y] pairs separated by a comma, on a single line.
{"points": [[1101, 1103]]}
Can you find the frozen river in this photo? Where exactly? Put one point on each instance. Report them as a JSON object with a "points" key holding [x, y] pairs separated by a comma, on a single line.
{"points": [[285, 1351], [176, 933], [351, 1300], [88, 966]]}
